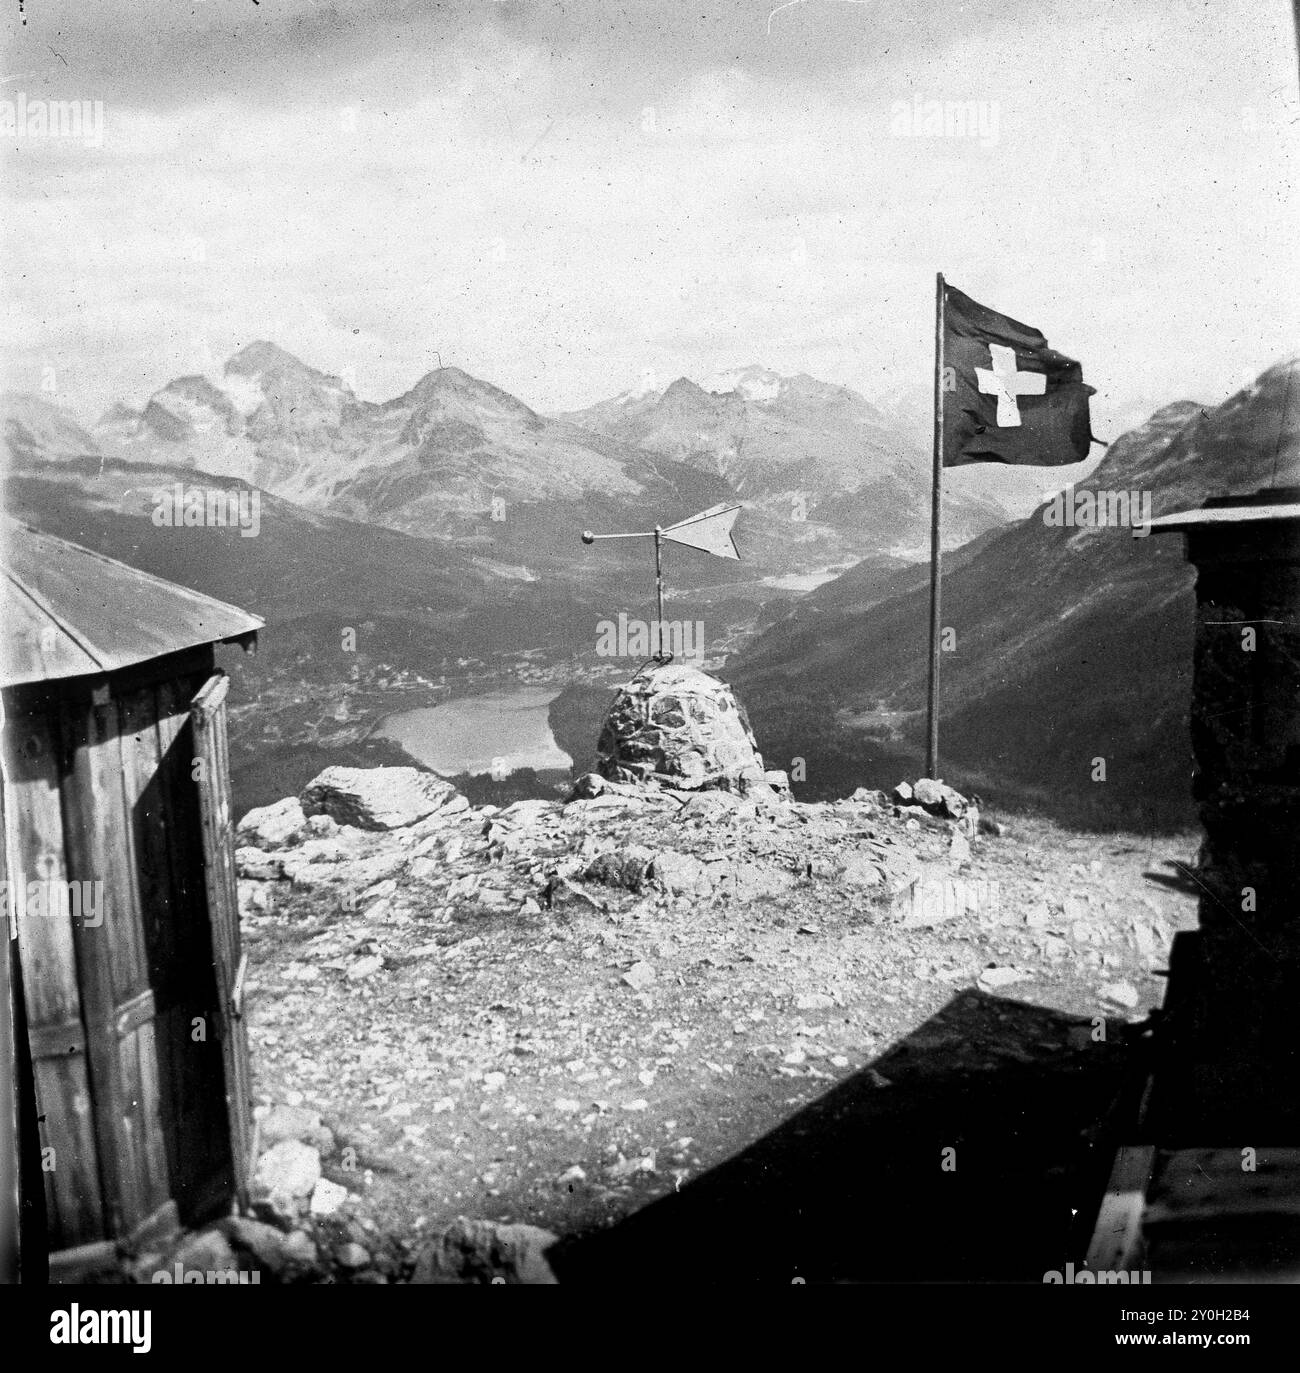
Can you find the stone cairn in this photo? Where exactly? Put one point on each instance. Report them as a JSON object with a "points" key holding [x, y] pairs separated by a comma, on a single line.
{"points": [[676, 726]]}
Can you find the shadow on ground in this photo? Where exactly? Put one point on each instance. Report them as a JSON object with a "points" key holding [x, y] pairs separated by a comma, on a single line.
{"points": [[853, 1188]]}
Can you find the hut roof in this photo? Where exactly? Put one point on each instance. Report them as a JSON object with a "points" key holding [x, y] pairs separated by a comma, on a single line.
{"points": [[69, 612]]}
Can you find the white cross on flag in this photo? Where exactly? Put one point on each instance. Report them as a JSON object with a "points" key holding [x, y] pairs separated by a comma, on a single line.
{"points": [[1004, 382], [1007, 396]]}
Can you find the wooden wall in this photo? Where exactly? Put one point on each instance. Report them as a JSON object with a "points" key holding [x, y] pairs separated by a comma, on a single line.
{"points": [[124, 1022]]}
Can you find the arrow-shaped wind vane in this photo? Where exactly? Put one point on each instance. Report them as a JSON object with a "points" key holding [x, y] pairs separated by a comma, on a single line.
{"points": [[709, 531]]}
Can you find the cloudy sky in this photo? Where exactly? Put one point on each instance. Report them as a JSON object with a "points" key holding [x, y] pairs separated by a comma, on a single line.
{"points": [[564, 196]]}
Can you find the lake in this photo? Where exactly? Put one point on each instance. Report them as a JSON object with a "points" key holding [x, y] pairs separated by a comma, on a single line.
{"points": [[509, 728], [803, 581]]}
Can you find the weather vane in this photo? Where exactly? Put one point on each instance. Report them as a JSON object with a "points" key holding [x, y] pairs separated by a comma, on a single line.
{"points": [[709, 531]]}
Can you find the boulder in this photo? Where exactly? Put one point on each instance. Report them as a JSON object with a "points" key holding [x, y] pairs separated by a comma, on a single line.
{"points": [[639, 976], [264, 1242], [286, 1176], [376, 798], [860, 870], [327, 1197], [256, 898], [253, 863], [707, 807], [959, 851], [589, 785], [208, 1251], [456, 807], [273, 826], [681, 874], [627, 867], [305, 869], [352, 1256], [478, 1251], [933, 797], [939, 799], [673, 725], [295, 1122], [529, 814], [779, 780], [300, 1250]]}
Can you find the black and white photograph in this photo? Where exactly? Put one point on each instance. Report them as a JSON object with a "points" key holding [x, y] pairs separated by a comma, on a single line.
{"points": [[651, 645]]}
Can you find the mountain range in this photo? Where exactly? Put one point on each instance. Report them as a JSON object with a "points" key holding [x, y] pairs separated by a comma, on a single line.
{"points": [[824, 477], [492, 494]]}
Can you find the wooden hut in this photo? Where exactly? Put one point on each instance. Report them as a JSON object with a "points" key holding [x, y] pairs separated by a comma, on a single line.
{"points": [[120, 880]]}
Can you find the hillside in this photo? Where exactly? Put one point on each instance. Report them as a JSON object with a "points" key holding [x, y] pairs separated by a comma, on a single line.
{"points": [[1071, 643]]}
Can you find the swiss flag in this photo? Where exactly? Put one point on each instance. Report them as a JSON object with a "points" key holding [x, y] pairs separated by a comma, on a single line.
{"points": [[1007, 396]]}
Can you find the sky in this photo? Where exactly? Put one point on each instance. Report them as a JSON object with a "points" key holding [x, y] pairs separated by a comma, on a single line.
{"points": [[571, 199]]}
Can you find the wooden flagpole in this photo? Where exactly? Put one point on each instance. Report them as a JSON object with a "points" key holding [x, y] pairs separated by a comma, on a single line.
{"points": [[936, 510]]}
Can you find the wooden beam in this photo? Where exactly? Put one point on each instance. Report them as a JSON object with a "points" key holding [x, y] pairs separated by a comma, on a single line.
{"points": [[1117, 1236]]}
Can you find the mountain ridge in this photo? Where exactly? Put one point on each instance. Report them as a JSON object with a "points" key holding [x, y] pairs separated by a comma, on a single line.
{"points": [[800, 450]]}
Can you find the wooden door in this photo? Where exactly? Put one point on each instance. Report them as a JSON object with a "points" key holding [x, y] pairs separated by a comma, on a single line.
{"points": [[145, 974], [212, 777]]}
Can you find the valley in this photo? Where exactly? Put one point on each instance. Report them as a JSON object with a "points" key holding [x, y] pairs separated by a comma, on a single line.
{"points": [[389, 590]]}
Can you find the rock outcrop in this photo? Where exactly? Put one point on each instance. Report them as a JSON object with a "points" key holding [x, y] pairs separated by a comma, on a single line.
{"points": [[270, 827], [610, 839], [376, 798], [935, 798]]}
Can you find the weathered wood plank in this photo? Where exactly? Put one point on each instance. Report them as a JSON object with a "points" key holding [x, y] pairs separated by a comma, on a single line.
{"points": [[210, 745], [74, 1201], [84, 735], [148, 824], [72, 1196], [49, 958], [140, 1048]]}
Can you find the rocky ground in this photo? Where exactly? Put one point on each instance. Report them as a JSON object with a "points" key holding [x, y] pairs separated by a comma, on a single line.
{"points": [[554, 1014]]}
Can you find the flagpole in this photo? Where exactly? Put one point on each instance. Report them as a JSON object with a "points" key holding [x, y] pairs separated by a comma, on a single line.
{"points": [[936, 510], [659, 583]]}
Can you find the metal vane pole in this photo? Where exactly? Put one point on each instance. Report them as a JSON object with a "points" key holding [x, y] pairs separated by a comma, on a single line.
{"points": [[709, 531], [936, 509], [659, 579]]}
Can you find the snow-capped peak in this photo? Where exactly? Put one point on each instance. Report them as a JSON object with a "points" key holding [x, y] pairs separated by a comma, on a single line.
{"points": [[245, 392], [754, 382]]}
